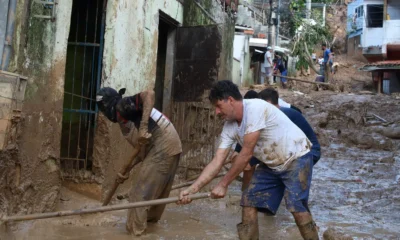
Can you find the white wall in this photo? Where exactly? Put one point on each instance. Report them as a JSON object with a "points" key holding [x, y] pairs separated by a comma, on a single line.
{"points": [[238, 46], [131, 42], [371, 36], [392, 31]]}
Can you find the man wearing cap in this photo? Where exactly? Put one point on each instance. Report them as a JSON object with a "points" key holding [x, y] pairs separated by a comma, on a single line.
{"points": [[141, 123], [268, 66]]}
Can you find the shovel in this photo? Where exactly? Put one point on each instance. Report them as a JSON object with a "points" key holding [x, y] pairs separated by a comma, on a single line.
{"points": [[122, 175]]}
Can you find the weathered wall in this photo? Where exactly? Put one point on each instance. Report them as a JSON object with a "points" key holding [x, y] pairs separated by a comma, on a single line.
{"points": [[195, 16], [131, 41], [30, 169], [129, 61], [236, 72]]}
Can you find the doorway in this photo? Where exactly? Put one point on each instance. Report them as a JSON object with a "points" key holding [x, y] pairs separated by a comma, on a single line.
{"points": [[82, 80], [165, 62]]}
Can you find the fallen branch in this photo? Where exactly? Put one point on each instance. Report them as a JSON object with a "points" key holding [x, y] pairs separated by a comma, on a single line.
{"points": [[383, 120]]}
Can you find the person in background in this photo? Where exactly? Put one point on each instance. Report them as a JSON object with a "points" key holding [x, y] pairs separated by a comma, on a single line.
{"points": [[279, 66], [271, 95], [327, 62], [268, 66]]}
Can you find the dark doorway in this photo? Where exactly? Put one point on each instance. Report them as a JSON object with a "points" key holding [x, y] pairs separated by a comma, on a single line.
{"points": [[82, 79], [165, 55]]}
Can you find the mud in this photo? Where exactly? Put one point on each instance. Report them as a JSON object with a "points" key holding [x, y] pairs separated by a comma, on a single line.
{"points": [[354, 188]]}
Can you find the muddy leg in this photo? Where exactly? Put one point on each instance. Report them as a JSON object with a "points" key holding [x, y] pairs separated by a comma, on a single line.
{"points": [[156, 212], [247, 175], [149, 183], [306, 225], [248, 228]]}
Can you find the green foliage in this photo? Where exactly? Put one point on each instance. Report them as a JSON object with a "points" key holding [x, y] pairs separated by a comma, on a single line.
{"points": [[309, 35], [306, 33]]}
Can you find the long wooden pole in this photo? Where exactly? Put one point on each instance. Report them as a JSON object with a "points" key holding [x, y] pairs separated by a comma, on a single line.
{"points": [[101, 209], [185, 184], [302, 80]]}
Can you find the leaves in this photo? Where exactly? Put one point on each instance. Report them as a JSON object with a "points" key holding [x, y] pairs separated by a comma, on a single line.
{"points": [[306, 33]]}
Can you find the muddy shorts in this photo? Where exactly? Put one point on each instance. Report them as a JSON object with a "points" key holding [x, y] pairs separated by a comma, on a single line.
{"points": [[268, 187]]}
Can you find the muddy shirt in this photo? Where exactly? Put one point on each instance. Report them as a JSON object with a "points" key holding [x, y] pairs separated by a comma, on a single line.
{"points": [[164, 136], [280, 142]]}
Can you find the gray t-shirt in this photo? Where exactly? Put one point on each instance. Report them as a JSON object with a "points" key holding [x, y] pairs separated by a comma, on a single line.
{"points": [[266, 56]]}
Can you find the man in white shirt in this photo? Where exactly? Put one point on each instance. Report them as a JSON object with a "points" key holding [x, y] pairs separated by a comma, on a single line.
{"points": [[285, 168], [267, 73]]}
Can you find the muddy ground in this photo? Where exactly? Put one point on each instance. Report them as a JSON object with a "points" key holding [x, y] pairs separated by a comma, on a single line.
{"points": [[355, 188]]}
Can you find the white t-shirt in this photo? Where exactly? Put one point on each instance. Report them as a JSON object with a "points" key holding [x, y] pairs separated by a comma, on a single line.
{"points": [[282, 103], [266, 56], [280, 142]]}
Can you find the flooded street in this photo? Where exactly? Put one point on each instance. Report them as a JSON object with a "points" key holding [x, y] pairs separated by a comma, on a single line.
{"points": [[355, 188]]}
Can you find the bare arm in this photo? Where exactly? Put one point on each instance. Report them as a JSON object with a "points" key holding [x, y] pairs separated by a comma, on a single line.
{"points": [[148, 104]]}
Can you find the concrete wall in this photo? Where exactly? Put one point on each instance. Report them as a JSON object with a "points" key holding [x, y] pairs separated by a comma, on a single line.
{"points": [[131, 41], [241, 53], [195, 16], [236, 72], [32, 165], [391, 32]]}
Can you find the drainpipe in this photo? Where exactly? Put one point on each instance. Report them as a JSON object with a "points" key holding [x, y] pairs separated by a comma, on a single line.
{"points": [[9, 35]]}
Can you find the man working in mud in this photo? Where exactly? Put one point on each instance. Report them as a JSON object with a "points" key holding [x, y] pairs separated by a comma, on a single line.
{"points": [[327, 63], [286, 169], [272, 96], [141, 124]]}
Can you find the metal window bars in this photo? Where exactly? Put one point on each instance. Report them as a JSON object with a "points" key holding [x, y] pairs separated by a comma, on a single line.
{"points": [[82, 80]]}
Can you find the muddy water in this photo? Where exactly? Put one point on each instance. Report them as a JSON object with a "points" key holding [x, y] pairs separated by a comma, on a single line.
{"points": [[354, 192]]}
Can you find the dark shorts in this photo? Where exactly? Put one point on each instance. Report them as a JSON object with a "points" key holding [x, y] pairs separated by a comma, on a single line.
{"points": [[268, 187], [316, 155]]}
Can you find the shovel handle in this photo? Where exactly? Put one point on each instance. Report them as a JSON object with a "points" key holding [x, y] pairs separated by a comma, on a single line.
{"points": [[124, 171]]}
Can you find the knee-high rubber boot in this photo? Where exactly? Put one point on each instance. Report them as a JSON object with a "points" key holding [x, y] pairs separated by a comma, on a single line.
{"points": [[247, 231]]}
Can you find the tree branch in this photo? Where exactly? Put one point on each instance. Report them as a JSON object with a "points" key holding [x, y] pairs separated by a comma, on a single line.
{"points": [[309, 59]]}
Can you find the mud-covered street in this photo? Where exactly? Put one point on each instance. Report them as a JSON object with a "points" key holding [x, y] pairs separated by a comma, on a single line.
{"points": [[355, 187]]}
